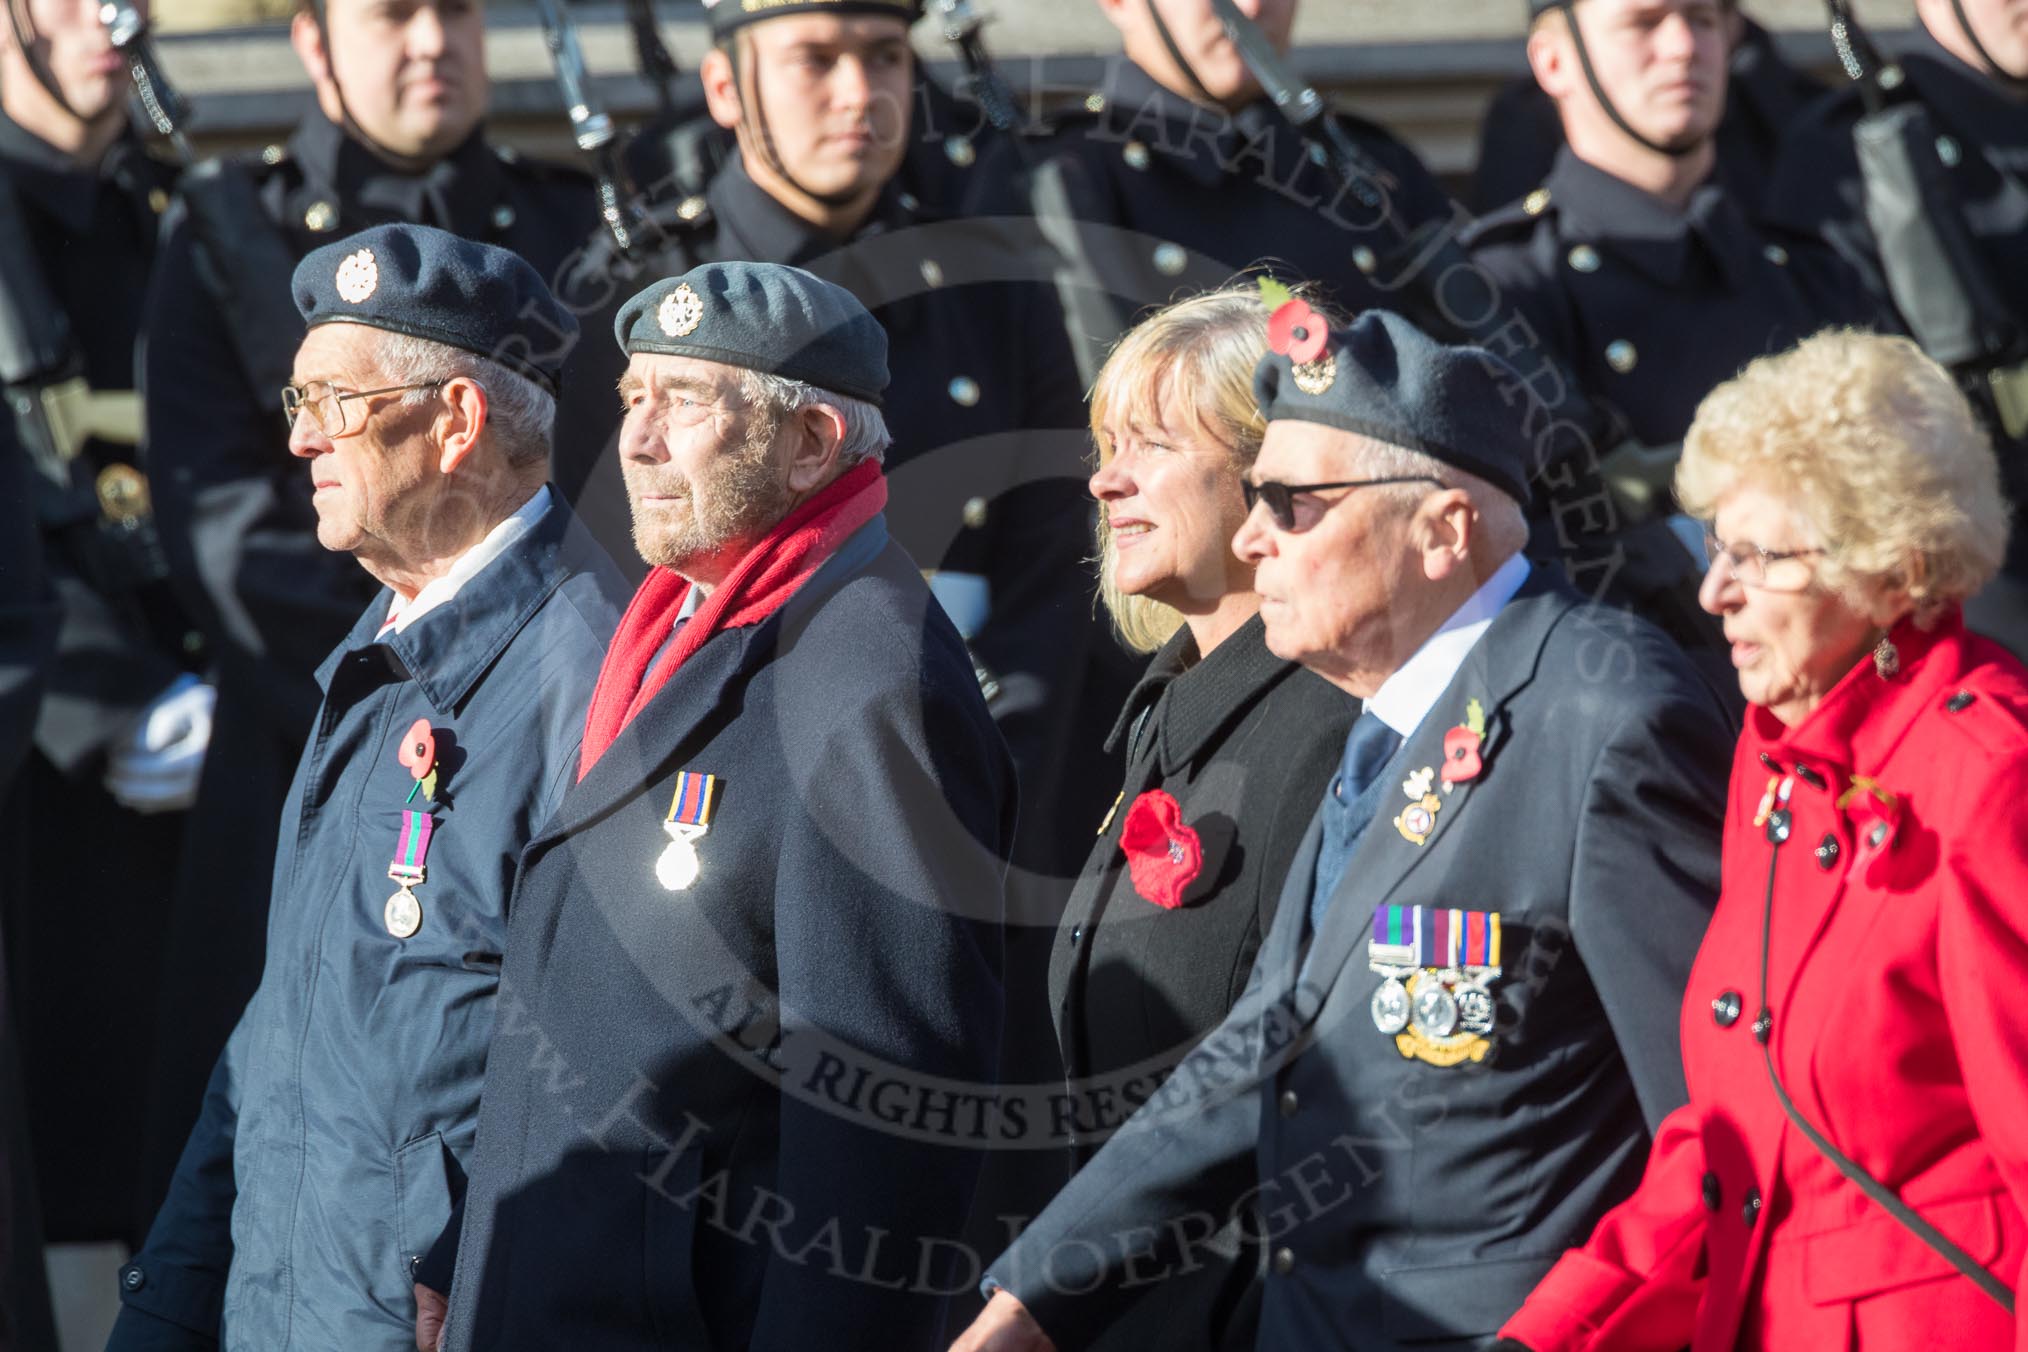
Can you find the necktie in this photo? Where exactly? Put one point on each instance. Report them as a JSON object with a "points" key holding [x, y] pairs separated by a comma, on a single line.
{"points": [[1349, 804]]}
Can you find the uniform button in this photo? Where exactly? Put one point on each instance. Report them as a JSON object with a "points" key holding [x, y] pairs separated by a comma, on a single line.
{"points": [[974, 513], [1365, 260], [964, 391], [1621, 355], [1776, 254], [1827, 851], [1725, 1009], [1713, 1193], [1960, 702], [1584, 258], [909, 201], [133, 1278], [960, 151], [932, 272], [1135, 154], [1170, 260], [503, 217], [1537, 202], [1094, 103], [1285, 1262], [1763, 1025], [272, 154], [1949, 152], [1749, 1210], [690, 208], [1290, 1103], [320, 217], [414, 1263]]}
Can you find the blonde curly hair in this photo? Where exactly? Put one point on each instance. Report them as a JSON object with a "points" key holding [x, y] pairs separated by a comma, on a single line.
{"points": [[1876, 449]]}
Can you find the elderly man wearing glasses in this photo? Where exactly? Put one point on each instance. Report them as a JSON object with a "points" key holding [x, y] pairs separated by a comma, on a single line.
{"points": [[332, 1143], [1461, 1028]]}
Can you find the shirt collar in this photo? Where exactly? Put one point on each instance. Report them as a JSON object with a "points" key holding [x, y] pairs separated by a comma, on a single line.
{"points": [[766, 231], [1405, 698], [401, 614], [1637, 226]]}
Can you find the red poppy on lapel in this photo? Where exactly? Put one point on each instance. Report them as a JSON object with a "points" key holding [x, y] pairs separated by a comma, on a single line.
{"points": [[1163, 855], [418, 748], [1461, 747]]}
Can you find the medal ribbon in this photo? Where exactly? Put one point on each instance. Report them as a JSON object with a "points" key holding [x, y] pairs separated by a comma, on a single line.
{"points": [[1443, 938], [695, 796], [413, 849], [1394, 939]]}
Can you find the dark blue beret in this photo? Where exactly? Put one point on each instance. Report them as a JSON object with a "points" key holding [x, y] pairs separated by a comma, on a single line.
{"points": [[1384, 378], [766, 317], [429, 283], [726, 15]]}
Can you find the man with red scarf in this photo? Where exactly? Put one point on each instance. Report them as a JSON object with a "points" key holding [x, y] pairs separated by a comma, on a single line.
{"points": [[749, 1031]]}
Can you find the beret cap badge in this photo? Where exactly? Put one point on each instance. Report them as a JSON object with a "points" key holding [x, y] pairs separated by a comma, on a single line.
{"points": [[681, 311], [358, 276]]}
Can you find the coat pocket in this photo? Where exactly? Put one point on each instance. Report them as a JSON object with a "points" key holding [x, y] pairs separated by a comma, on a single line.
{"points": [[668, 1250], [1880, 1253], [422, 1199]]}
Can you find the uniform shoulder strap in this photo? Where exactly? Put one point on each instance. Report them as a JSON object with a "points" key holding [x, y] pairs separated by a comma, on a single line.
{"points": [[246, 262]]}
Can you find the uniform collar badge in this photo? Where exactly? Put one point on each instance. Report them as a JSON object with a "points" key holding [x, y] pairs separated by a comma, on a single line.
{"points": [[681, 311], [358, 276], [689, 819]]}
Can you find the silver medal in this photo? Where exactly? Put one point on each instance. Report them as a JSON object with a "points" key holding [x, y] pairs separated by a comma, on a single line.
{"points": [[1436, 1011], [1390, 1006], [677, 868], [403, 914], [1475, 1010]]}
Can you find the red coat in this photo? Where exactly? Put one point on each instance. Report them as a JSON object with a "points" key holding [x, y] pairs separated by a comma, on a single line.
{"points": [[1898, 985]]}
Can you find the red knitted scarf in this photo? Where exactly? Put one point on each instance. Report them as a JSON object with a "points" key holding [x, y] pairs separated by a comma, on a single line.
{"points": [[757, 587]]}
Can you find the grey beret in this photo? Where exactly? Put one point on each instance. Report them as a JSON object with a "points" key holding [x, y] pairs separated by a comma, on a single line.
{"points": [[428, 283], [726, 15], [766, 317], [1384, 378]]}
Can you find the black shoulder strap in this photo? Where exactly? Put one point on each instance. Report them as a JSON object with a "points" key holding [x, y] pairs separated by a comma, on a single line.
{"points": [[1845, 1164], [246, 263]]}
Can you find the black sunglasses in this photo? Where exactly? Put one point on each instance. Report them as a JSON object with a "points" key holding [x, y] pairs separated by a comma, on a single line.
{"points": [[1281, 498]]}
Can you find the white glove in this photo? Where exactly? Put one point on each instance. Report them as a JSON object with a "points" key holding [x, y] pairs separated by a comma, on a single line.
{"points": [[154, 765]]}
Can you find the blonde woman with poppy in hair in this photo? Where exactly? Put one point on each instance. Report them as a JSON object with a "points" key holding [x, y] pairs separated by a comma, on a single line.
{"points": [[1228, 749]]}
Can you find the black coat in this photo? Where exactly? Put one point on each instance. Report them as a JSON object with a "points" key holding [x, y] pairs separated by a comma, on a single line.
{"points": [[1651, 307], [1407, 1202], [87, 236], [718, 1116], [1246, 743], [240, 530], [1146, 197]]}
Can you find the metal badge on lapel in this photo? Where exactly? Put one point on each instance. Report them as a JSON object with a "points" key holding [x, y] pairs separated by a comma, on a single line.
{"points": [[403, 913], [1418, 819], [1436, 1001], [688, 820]]}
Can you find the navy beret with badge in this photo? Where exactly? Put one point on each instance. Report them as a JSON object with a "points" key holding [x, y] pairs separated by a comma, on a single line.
{"points": [[1382, 377], [428, 283], [726, 15], [766, 317]]}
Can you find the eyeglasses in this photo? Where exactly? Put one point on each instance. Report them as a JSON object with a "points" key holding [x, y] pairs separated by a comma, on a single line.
{"points": [[1281, 498], [325, 402], [1767, 569]]}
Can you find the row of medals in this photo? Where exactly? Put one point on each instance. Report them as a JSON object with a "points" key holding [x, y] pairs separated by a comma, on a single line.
{"points": [[1438, 1001]]}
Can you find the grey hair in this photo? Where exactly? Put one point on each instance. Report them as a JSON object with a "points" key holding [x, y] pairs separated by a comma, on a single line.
{"points": [[775, 399], [520, 414], [1503, 525]]}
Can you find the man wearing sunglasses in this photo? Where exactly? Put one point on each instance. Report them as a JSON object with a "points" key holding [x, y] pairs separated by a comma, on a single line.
{"points": [[331, 1147], [1462, 1026]]}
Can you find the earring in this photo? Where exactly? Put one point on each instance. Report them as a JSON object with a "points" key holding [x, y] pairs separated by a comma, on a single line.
{"points": [[1886, 658]]}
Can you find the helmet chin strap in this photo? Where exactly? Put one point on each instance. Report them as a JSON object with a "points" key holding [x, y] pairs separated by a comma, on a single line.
{"points": [[746, 54], [1677, 150], [2017, 83], [1201, 94], [346, 122]]}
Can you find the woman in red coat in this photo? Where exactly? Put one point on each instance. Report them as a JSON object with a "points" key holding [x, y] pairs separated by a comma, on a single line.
{"points": [[1852, 1168]]}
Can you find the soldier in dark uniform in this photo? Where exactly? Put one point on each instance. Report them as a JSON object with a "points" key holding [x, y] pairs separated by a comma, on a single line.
{"points": [[1176, 173], [396, 136], [1969, 66], [94, 819], [1764, 96], [1632, 260]]}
